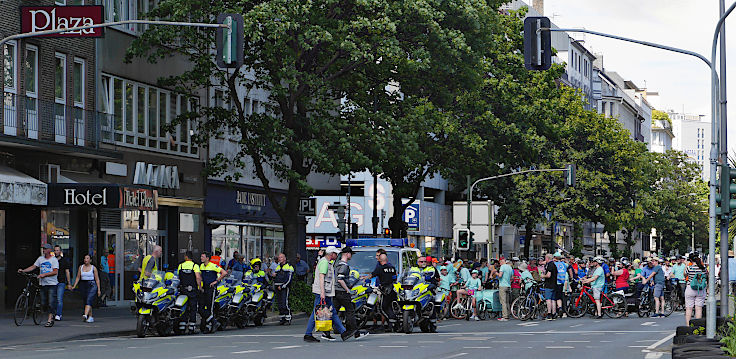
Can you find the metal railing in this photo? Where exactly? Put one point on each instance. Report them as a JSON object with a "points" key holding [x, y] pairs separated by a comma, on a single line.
{"points": [[43, 120]]}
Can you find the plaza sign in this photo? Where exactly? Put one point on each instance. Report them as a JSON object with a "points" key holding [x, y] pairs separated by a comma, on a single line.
{"points": [[42, 18]]}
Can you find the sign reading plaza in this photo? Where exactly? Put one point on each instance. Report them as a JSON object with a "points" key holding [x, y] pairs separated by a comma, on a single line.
{"points": [[42, 18]]}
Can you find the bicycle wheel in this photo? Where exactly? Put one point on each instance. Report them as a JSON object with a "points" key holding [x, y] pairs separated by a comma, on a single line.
{"points": [[36, 309], [577, 306], [21, 309], [457, 309], [643, 309], [613, 305], [669, 305], [519, 309]]}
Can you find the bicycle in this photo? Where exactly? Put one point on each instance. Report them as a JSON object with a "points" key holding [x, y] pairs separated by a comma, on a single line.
{"points": [[646, 303], [677, 296], [613, 305], [530, 305], [30, 294], [461, 308], [449, 298]]}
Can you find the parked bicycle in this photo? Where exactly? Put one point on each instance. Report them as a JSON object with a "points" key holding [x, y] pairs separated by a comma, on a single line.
{"points": [[613, 305], [29, 301], [529, 305]]}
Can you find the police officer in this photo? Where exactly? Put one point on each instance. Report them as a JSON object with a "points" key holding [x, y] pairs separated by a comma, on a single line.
{"points": [[148, 264], [281, 282], [430, 273], [190, 283], [256, 272], [386, 274], [210, 278]]}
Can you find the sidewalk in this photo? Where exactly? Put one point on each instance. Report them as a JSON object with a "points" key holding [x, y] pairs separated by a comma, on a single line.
{"points": [[109, 322]]}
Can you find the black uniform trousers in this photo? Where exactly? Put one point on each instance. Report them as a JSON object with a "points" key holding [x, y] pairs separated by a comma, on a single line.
{"points": [[282, 296], [345, 300], [205, 302], [389, 296], [192, 296]]}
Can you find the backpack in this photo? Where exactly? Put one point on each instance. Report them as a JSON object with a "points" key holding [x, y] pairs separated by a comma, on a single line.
{"points": [[699, 282]]}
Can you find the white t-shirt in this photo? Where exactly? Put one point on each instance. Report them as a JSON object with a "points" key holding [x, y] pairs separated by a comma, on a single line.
{"points": [[47, 266]]}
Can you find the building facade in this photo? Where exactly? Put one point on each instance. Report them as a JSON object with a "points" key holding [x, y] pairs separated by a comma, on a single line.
{"points": [[692, 136]]}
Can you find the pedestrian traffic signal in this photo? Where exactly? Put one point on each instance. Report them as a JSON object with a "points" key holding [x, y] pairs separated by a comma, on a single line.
{"points": [[463, 239], [537, 43], [230, 41], [727, 188], [570, 175]]}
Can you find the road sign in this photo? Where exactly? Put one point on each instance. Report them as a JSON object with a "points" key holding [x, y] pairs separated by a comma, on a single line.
{"points": [[308, 207], [411, 217]]}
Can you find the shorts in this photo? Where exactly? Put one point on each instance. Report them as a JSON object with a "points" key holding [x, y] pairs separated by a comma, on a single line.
{"points": [[558, 291], [694, 297], [549, 294], [658, 290], [48, 298], [597, 293]]}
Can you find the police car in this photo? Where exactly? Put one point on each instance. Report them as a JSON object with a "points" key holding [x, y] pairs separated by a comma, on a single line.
{"points": [[399, 253]]}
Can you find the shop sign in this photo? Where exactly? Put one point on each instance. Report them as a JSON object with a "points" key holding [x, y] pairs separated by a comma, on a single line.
{"points": [[139, 198], [84, 195], [308, 207], [24, 193], [161, 176], [72, 197], [322, 241], [250, 199], [43, 18]]}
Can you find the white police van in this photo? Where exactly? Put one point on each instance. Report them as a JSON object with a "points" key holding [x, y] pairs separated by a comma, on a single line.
{"points": [[398, 250]]}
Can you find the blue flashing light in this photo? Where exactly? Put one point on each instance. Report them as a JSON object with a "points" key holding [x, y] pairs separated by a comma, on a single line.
{"points": [[378, 242]]}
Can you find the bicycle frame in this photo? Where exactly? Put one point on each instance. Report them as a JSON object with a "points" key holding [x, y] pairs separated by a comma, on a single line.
{"points": [[584, 290]]}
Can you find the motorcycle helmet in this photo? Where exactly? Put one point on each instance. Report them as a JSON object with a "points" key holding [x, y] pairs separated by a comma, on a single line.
{"points": [[255, 262]]}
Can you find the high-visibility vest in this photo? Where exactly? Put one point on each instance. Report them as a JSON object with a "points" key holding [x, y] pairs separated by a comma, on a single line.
{"points": [[111, 263]]}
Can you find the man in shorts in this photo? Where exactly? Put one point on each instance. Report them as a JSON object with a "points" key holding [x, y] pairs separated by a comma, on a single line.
{"points": [[550, 285], [597, 280], [657, 275]]}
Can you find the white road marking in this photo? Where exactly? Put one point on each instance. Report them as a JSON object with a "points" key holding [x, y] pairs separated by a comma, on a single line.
{"points": [[476, 347], [529, 324], [456, 355], [653, 355], [448, 325], [93, 345], [660, 342], [248, 351], [575, 326], [577, 341], [541, 341], [646, 340], [50, 350], [288, 347], [139, 347], [648, 323], [393, 346], [560, 347], [606, 341], [637, 346], [430, 342]]}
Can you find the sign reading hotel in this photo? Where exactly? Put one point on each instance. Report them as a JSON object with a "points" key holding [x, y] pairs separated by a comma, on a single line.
{"points": [[43, 18]]}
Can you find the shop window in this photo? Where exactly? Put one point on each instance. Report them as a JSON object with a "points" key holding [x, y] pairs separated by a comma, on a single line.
{"points": [[140, 220], [188, 222]]}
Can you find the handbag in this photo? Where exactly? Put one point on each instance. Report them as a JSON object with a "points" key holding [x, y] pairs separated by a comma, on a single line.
{"points": [[322, 317]]}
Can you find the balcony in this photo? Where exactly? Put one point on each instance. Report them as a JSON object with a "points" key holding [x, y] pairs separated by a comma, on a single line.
{"points": [[28, 118]]}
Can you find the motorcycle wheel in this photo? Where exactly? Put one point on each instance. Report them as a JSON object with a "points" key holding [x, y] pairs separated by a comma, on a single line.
{"points": [[141, 326], [408, 322], [258, 320], [425, 327]]}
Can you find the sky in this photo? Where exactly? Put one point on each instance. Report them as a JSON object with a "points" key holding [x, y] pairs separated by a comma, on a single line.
{"points": [[683, 82]]}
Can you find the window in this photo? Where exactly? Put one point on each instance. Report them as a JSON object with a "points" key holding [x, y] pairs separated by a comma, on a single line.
{"points": [[10, 82], [118, 10], [139, 113], [10, 78], [60, 78], [30, 65], [78, 81]]}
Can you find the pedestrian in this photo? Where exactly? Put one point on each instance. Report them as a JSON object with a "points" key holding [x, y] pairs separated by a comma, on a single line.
{"points": [[111, 267], [90, 279], [534, 270], [504, 288], [695, 290], [64, 279], [282, 281], [301, 268], [344, 291], [622, 276], [561, 277], [597, 280], [526, 276], [550, 286], [657, 276], [515, 280], [148, 264], [232, 261], [238, 267], [216, 259], [484, 270], [323, 289], [48, 267], [386, 274], [190, 283]]}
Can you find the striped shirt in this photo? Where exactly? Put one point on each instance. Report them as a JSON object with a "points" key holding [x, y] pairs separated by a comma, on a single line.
{"points": [[692, 271]]}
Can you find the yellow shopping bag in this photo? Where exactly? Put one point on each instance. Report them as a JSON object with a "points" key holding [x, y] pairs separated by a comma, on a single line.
{"points": [[323, 318]]}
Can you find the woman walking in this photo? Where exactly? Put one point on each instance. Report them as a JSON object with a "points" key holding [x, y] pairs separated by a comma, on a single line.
{"points": [[696, 276], [87, 273]]}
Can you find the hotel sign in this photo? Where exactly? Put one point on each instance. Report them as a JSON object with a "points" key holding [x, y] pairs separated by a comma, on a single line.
{"points": [[102, 196], [43, 18]]}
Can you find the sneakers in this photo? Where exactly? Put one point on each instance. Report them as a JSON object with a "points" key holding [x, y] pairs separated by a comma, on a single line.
{"points": [[360, 334], [503, 320], [58, 317], [310, 339], [84, 317], [328, 337], [347, 335], [475, 317], [549, 317], [90, 319]]}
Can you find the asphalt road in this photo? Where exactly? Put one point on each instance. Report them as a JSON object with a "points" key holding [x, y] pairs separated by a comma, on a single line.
{"points": [[564, 338]]}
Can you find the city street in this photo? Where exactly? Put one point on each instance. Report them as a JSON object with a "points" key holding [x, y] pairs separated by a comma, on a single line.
{"points": [[565, 338]]}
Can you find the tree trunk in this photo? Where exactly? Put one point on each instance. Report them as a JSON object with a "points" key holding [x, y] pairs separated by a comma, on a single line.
{"points": [[527, 239], [396, 222], [291, 222]]}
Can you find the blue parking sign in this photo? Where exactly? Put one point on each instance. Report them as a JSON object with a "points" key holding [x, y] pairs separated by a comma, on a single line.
{"points": [[411, 217]]}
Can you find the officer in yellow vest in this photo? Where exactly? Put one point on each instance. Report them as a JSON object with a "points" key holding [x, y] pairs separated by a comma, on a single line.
{"points": [[281, 282], [149, 265], [210, 278], [190, 284]]}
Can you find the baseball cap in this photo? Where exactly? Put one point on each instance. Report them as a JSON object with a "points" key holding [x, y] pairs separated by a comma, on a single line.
{"points": [[331, 249], [515, 259], [347, 250], [434, 260], [558, 255], [47, 246]]}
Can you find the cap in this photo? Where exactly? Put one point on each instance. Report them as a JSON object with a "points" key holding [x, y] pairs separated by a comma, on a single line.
{"points": [[331, 249], [515, 259], [347, 250], [434, 260], [443, 268], [47, 246], [475, 271], [558, 255]]}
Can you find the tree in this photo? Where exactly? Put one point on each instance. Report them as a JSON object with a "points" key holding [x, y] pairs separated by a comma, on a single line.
{"points": [[308, 56], [660, 116]]}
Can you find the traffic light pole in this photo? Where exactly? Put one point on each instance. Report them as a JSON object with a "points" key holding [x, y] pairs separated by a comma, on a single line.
{"points": [[725, 169], [715, 114]]}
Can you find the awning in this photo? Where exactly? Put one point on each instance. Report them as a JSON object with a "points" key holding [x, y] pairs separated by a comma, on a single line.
{"points": [[77, 177], [18, 187]]}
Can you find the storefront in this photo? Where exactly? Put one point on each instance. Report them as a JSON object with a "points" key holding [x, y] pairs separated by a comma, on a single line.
{"points": [[241, 218]]}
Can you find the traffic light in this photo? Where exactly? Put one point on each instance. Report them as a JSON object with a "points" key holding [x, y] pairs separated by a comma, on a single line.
{"points": [[387, 232], [537, 43], [570, 174], [727, 188], [463, 239], [230, 41]]}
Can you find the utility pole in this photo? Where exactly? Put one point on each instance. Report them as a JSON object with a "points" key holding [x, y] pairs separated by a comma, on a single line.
{"points": [[349, 219], [724, 160], [375, 205]]}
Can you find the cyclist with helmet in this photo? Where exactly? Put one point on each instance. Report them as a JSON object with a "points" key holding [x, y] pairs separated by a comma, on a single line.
{"points": [[597, 280], [472, 288], [256, 272], [622, 276]]}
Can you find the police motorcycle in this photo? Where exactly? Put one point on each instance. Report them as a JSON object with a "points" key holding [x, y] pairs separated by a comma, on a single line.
{"points": [[159, 305], [363, 298], [224, 293], [257, 305], [416, 302], [237, 309]]}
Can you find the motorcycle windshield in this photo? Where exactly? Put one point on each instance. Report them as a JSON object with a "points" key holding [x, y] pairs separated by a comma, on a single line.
{"points": [[155, 280], [412, 279]]}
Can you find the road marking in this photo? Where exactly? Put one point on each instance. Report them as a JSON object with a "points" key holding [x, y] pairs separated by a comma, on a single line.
{"points": [[139, 347], [637, 346], [470, 339], [653, 355], [456, 355], [248, 351], [577, 341], [223, 346], [448, 325], [529, 324], [50, 350], [660, 342], [505, 341], [393, 346], [541, 341], [476, 347], [288, 347], [646, 340], [430, 342], [560, 347], [606, 341], [575, 326], [648, 323], [93, 345]]}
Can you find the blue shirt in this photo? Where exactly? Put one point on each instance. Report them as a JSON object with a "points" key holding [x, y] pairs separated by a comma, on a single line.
{"points": [[659, 276], [601, 280], [445, 282], [606, 269], [678, 271], [506, 273], [646, 271], [302, 268], [561, 272]]}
